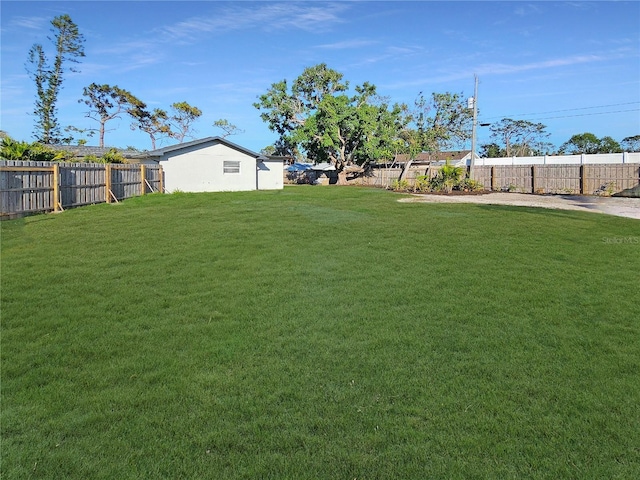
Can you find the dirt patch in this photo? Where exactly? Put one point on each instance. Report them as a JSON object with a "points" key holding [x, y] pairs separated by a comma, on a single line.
{"points": [[622, 207]]}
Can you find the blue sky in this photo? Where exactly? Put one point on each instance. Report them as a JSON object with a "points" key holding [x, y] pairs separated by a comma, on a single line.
{"points": [[573, 66]]}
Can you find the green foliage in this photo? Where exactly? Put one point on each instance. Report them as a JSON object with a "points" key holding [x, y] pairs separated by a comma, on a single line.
{"points": [[422, 184], [113, 156], [588, 143], [447, 179], [48, 77], [469, 185], [11, 149], [631, 144], [182, 119], [441, 122], [317, 116], [519, 138], [399, 185], [107, 103], [227, 127]]}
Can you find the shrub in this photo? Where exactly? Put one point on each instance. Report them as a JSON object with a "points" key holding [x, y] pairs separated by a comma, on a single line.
{"points": [[447, 178], [422, 183], [400, 185], [113, 156]]}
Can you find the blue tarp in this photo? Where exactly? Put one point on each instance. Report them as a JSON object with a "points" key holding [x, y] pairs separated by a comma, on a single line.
{"points": [[299, 167]]}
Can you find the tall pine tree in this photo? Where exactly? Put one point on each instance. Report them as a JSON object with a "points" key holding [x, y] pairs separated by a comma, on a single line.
{"points": [[48, 77]]}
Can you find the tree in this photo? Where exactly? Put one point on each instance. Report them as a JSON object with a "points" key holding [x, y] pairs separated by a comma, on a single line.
{"points": [[155, 123], [519, 137], [631, 144], [286, 110], [350, 130], [318, 117], [609, 145], [442, 122], [48, 78], [107, 103], [182, 120], [491, 150], [588, 143], [227, 128]]}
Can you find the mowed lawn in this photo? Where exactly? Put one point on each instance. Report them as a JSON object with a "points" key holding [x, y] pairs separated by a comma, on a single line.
{"points": [[319, 332]]}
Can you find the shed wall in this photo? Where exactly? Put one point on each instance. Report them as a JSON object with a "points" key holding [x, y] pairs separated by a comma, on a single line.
{"points": [[270, 174], [201, 170]]}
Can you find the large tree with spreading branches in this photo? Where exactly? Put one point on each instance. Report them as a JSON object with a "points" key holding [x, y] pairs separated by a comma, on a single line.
{"points": [[318, 117]]}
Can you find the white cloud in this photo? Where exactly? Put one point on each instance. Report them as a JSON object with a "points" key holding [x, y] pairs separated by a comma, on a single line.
{"points": [[346, 44], [305, 16], [33, 23]]}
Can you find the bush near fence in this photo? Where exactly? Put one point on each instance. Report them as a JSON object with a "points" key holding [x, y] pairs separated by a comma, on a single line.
{"points": [[35, 187]]}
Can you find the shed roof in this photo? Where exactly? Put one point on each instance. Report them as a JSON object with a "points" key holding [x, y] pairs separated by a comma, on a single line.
{"points": [[86, 150], [159, 152]]}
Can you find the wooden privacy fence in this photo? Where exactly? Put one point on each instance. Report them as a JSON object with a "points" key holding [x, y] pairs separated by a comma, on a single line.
{"points": [[32, 187], [555, 179], [559, 179]]}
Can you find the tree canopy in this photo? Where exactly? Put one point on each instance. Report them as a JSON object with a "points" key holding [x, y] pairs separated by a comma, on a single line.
{"points": [[588, 143], [318, 116], [518, 138], [107, 103]]}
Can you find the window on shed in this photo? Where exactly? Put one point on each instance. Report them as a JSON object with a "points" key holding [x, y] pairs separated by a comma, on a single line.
{"points": [[231, 166]]}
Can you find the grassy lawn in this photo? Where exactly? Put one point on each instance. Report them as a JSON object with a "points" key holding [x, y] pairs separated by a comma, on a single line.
{"points": [[319, 333]]}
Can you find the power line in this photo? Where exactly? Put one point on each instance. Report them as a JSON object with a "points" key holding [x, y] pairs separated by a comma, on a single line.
{"points": [[586, 114], [571, 110]]}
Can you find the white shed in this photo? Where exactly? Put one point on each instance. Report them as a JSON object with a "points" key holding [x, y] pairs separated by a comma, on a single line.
{"points": [[214, 164]]}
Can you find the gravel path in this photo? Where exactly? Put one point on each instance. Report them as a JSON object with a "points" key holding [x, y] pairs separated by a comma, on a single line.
{"points": [[622, 207]]}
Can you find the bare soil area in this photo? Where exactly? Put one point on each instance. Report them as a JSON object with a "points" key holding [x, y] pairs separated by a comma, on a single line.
{"points": [[622, 207]]}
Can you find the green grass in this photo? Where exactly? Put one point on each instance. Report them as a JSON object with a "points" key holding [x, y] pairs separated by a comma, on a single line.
{"points": [[319, 333]]}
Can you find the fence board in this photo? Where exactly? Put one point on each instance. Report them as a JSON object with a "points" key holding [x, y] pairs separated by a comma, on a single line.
{"points": [[587, 179], [28, 187]]}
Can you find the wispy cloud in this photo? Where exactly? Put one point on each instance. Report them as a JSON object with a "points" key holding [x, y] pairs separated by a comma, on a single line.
{"points": [[501, 68], [303, 16], [488, 69], [388, 53], [347, 44], [526, 9], [32, 23]]}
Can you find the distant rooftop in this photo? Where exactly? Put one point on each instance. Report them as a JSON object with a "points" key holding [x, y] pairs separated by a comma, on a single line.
{"points": [[81, 151]]}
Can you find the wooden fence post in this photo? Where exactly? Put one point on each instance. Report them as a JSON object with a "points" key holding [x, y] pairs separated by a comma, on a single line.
{"points": [[107, 180], [56, 188], [143, 179], [533, 178], [582, 179], [161, 180], [493, 178]]}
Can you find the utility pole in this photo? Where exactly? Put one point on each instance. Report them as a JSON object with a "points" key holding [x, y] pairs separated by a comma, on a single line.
{"points": [[475, 125]]}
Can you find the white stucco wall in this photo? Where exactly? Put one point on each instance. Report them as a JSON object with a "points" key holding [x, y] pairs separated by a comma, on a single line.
{"points": [[200, 169], [270, 174]]}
